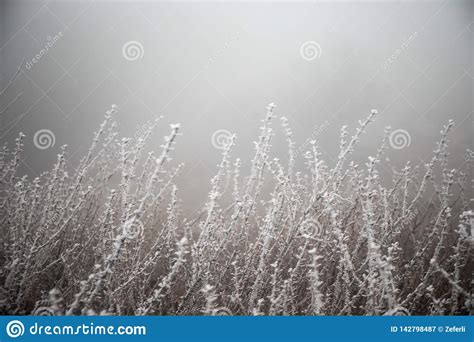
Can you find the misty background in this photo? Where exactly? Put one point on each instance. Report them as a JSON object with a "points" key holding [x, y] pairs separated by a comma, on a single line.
{"points": [[214, 66]]}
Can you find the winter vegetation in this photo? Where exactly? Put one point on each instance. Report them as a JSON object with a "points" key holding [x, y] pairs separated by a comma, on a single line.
{"points": [[110, 237]]}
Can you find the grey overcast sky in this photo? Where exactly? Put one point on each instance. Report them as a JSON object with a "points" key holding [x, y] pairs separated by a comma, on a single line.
{"points": [[214, 67]]}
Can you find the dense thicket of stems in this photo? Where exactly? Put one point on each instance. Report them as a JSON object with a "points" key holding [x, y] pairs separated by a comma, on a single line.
{"points": [[111, 238]]}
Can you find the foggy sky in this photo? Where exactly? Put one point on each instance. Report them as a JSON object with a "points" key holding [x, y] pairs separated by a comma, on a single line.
{"points": [[212, 66]]}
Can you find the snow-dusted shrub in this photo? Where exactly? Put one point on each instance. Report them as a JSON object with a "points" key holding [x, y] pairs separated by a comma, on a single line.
{"points": [[111, 239]]}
